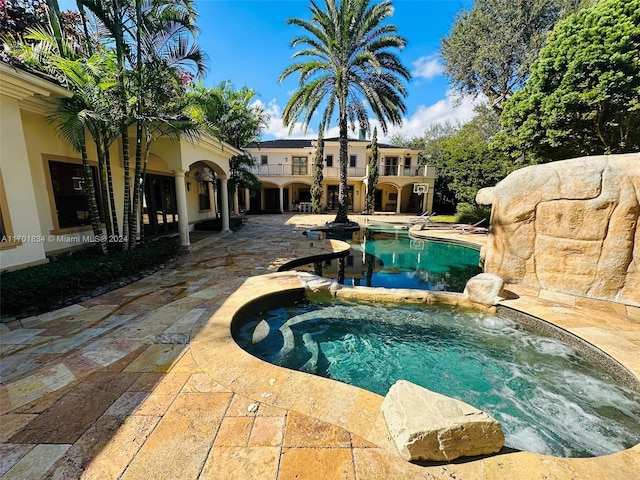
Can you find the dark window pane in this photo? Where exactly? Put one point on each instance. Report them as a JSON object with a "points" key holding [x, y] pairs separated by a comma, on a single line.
{"points": [[68, 192]]}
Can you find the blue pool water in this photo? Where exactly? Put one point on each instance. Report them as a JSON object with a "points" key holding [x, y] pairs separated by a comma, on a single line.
{"points": [[548, 396], [388, 257]]}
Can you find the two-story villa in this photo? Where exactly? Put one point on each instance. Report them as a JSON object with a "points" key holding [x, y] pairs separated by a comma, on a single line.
{"points": [[286, 170]]}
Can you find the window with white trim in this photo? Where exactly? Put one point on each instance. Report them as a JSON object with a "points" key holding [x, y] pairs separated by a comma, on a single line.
{"points": [[299, 166]]}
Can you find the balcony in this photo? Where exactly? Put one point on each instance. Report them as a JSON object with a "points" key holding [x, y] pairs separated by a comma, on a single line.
{"points": [[288, 170], [411, 171], [352, 172], [279, 169]]}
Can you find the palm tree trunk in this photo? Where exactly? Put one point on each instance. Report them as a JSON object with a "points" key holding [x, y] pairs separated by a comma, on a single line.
{"points": [[112, 198], [143, 180], [90, 194], [104, 194], [118, 35], [341, 216], [133, 223], [137, 179]]}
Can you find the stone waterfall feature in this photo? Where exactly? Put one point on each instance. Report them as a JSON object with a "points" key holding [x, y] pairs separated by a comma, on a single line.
{"points": [[569, 226]]}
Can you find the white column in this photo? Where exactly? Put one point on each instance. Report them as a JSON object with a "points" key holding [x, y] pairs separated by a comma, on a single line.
{"points": [[399, 199], [212, 198], [281, 199], [236, 203], [224, 192], [247, 200], [183, 216], [425, 201]]}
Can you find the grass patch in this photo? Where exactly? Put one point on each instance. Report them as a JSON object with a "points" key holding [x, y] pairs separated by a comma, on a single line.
{"points": [[67, 278], [444, 219]]}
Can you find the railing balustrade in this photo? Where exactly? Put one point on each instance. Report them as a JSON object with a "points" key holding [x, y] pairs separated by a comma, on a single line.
{"points": [[352, 172]]}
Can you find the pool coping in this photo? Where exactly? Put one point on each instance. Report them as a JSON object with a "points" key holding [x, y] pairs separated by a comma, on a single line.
{"points": [[359, 411]]}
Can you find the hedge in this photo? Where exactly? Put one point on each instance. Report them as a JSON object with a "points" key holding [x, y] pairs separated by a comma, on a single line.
{"points": [[69, 277]]}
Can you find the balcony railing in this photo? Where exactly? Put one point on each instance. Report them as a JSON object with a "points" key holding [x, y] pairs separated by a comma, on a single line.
{"points": [[411, 171], [352, 172]]}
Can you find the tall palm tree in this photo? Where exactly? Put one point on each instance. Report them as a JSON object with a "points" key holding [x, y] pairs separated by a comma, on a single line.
{"points": [[163, 46], [71, 119], [147, 34], [235, 118], [350, 57]]}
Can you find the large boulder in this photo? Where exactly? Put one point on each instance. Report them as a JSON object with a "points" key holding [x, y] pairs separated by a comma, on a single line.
{"points": [[485, 288], [569, 226], [428, 426]]}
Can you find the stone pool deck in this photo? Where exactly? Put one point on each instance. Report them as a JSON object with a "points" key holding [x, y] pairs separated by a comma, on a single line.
{"points": [[145, 382]]}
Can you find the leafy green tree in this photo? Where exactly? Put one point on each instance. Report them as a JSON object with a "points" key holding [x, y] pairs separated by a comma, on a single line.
{"points": [[316, 186], [464, 157], [583, 96], [492, 45], [372, 178], [349, 57]]}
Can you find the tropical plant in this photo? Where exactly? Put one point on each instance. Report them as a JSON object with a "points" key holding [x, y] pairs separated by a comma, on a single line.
{"points": [[372, 177], [86, 78], [492, 45], [234, 117], [316, 186], [349, 51], [153, 43], [71, 119], [583, 97]]}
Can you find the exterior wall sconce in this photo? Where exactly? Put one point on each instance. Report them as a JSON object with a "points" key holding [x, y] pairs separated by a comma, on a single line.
{"points": [[188, 186]]}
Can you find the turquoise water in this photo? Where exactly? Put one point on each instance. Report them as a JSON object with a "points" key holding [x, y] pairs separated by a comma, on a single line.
{"points": [[548, 397], [389, 258]]}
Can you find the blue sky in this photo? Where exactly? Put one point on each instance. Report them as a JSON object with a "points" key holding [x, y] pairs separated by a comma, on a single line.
{"points": [[248, 42]]}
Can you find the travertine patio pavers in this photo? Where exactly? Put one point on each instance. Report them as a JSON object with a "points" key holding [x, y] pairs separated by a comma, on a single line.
{"points": [[136, 383]]}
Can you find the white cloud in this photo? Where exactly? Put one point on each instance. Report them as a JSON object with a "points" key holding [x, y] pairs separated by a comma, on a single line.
{"points": [[427, 67], [449, 109], [277, 129]]}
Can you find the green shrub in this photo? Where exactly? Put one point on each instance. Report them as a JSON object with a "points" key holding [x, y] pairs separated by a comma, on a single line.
{"points": [[68, 277], [468, 213]]}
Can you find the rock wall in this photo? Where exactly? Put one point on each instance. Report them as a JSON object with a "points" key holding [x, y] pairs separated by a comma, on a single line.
{"points": [[569, 226]]}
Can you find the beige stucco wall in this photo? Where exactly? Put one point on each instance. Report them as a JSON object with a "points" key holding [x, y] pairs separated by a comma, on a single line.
{"points": [[19, 190], [28, 141]]}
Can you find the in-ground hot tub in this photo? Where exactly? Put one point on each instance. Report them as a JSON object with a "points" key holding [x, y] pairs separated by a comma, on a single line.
{"points": [[552, 392]]}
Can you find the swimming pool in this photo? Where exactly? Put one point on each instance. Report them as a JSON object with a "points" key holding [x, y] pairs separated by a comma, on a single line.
{"points": [[388, 257], [548, 395]]}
